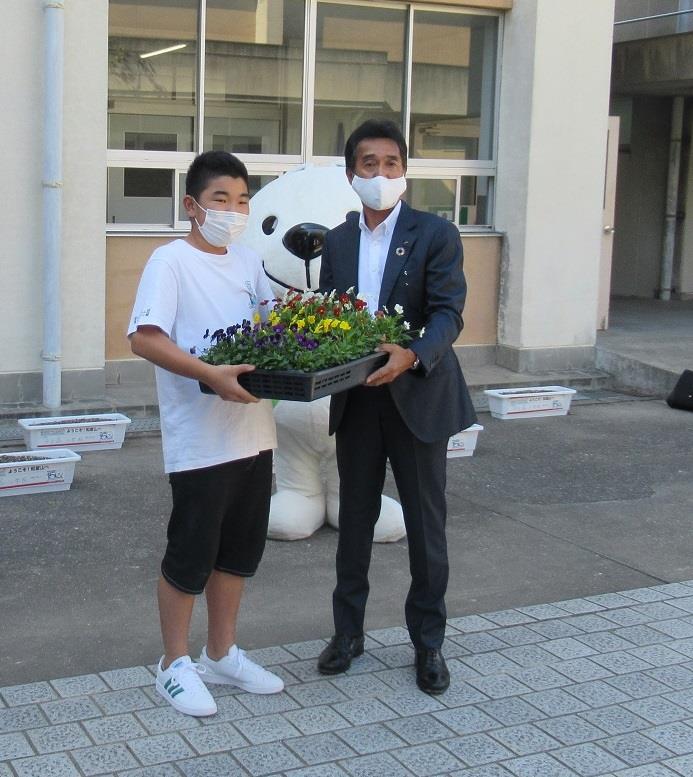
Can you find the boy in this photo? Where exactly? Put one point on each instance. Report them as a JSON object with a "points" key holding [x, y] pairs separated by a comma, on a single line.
{"points": [[217, 449]]}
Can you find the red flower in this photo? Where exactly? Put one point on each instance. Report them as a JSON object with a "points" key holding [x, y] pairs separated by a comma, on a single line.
{"points": [[379, 314], [359, 304], [336, 311], [321, 310], [344, 298]]}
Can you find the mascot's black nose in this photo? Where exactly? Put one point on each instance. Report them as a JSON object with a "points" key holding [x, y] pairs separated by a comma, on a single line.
{"points": [[305, 241]]}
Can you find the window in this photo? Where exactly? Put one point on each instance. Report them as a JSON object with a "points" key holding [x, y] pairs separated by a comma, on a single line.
{"points": [[282, 83]]}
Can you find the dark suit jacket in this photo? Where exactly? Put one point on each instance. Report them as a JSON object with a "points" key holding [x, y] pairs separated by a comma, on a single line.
{"points": [[423, 273]]}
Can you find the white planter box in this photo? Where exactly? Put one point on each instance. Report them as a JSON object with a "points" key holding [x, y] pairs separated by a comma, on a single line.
{"points": [[48, 471], [463, 443], [96, 432], [532, 402]]}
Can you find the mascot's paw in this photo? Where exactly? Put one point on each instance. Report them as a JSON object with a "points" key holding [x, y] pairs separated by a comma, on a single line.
{"points": [[294, 516], [388, 528]]}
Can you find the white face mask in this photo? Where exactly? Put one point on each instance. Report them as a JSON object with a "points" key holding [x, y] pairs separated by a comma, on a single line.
{"points": [[379, 193], [221, 227]]}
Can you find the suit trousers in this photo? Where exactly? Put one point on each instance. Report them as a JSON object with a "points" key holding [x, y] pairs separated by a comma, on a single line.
{"points": [[371, 432]]}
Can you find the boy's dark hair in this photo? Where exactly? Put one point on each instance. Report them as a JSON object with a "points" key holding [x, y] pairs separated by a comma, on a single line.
{"points": [[212, 164], [374, 128]]}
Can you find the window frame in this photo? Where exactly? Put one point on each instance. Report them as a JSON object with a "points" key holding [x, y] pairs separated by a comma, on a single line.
{"points": [[276, 164]]}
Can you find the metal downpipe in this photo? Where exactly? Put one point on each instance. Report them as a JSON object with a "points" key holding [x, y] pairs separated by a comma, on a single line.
{"points": [[669, 238], [52, 183]]}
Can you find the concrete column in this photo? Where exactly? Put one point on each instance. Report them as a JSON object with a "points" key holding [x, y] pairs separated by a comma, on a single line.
{"points": [[552, 150]]}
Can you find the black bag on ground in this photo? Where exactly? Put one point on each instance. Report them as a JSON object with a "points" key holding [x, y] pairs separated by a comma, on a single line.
{"points": [[681, 396]]}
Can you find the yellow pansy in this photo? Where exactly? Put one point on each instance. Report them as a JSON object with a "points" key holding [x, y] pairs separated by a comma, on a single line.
{"points": [[345, 325]]}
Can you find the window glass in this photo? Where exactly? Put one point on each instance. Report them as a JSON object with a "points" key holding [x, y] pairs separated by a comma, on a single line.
{"points": [[433, 196], [139, 195], [254, 76], [475, 201], [453, 85], [151, 74], [359, 72]]}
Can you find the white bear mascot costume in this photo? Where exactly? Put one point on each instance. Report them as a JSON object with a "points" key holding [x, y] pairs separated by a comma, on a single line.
{"points": [[288, 218]]}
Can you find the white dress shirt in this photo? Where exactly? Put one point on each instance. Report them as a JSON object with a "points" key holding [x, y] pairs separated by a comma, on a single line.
{"points": [[373, 250]]}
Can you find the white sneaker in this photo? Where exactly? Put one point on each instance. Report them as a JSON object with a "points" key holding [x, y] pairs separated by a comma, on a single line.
{"points": [[236, 668], [182, 688]]}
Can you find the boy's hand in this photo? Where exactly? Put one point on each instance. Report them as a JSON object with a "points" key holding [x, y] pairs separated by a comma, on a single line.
{"points": [[223, 378]]}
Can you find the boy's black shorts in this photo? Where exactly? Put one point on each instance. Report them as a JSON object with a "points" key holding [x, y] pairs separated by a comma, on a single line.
{"points": [[219, 521]]}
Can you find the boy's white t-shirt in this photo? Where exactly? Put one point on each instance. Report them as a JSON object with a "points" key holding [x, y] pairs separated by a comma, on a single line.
{"points": [[185, 292]]}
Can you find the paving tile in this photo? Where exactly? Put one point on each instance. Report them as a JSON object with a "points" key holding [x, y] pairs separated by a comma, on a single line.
{"points": [[29, 693], [673, 589], [21, 718], [612, 601], [411, 702], [683, 646], [401, 679], [161, 770], [360, 712], [427, 760], [14, 746], [305, 650], [683, 765], [541, 765], [677, 737], [508, 617], [589, 623], [657, 710], [58, 765], [375, 765], [499, 686], [642, 635], [212, 739], [133, 677], [627, 617], [621, 662], [678, 677], [555, 629], [395, 655], [56, 739], [319, 748], [682, 698], [490, 770], [270, 655], [459, 672], [581, 669], [685, 602], [542, 612], [365, 663], [216, 765], [396, 635], [129, 700], [676, 627], [615, 719], [570, 729], [658, 611], [657, 655], [638, 685], [307, 670], [481, 642], [519, 635], [466, 720], [279, 670], [555, 702], [316, 720], [320, 692], [68, 710], [160, 749], [648, 770], [69, 687], [597, 693], [361, 685], [5, 771], [511, 711], [323, 770], [266, 728], [469, 623], [568, 648], [104, 758], [161, 720], [374, 738], [461, 693], [605, 641], [635, 749], [577, 606], [115, 728], [228, 709], [539, 678], [418, 729], [489, 663], [528, 655], [265, 704], [645, 594], [525, 739], [266, 759], [588, 759]]}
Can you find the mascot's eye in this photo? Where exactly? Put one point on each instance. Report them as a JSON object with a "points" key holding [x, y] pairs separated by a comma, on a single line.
{"points": [[269, 225]]}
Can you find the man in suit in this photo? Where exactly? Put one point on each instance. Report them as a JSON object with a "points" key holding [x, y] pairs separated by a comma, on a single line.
{"points": [[394, 255]]}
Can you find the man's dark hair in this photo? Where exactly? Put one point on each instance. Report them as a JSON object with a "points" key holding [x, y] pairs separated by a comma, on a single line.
{"points": [[212, 164], [374, 128]]}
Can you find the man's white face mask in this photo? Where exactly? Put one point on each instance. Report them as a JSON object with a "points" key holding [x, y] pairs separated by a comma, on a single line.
{"points": [[379, 193], [221, 227]]}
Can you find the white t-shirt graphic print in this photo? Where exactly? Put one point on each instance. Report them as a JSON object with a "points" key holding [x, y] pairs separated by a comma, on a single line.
{"points": [[184, 292]]}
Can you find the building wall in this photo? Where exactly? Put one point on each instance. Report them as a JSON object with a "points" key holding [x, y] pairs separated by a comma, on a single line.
{"points": [[551, 159], [84, 177], [685, 235]]}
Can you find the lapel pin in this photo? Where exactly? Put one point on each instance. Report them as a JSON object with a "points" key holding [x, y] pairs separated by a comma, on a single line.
{"points": [[399, 251]]}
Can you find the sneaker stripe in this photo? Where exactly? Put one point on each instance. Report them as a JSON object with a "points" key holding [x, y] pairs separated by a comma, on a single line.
{"points": [[173, 693]]}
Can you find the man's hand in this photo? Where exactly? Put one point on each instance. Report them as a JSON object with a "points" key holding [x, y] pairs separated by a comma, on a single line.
{"points": [[223, 378], [400, 360]]}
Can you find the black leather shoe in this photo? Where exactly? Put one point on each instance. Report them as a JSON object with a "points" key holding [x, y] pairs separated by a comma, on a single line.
{"points": [[336, 657], [432, 674]]}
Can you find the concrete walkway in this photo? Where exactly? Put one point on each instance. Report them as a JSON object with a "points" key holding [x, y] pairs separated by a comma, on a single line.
{"points": [[601, 685]]}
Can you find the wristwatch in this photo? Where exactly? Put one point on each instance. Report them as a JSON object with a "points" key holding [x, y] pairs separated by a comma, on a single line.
{"points": [[416, 364]]}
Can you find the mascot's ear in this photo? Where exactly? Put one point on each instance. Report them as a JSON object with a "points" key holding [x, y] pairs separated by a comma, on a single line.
{"points": [[269, 224]]}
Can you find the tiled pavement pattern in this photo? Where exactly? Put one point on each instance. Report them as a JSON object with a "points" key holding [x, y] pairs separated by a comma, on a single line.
{"points": [[595, 686]]}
